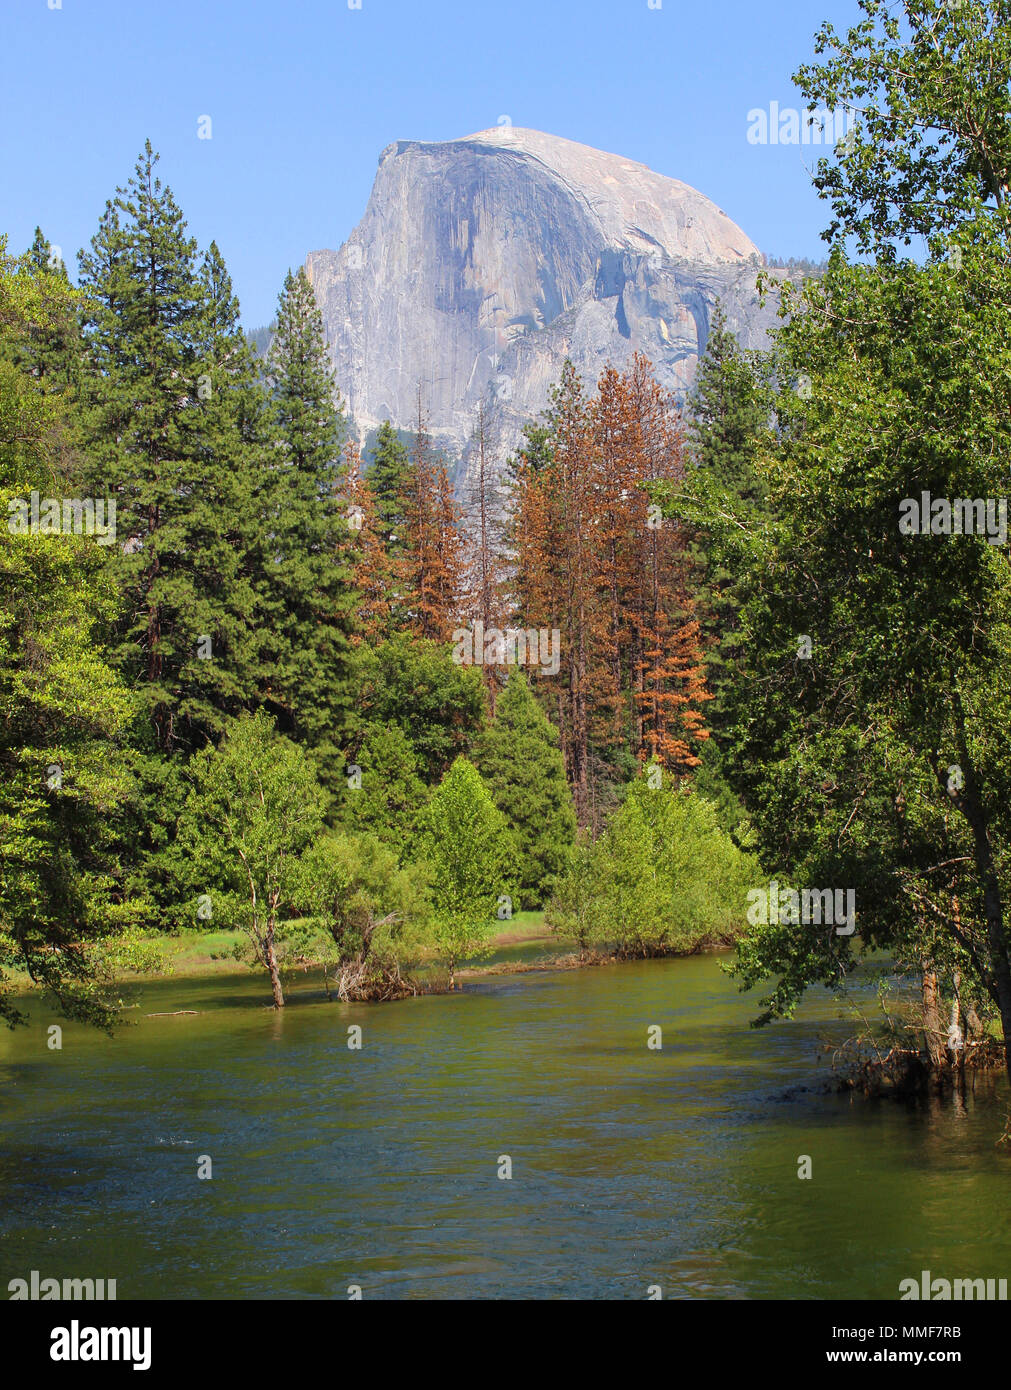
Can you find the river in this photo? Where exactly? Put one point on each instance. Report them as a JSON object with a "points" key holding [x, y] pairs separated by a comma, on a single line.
{"points": [[379, 1167]]}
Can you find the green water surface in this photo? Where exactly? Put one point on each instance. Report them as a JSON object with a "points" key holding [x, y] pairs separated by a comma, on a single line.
{"points": [[380, 1168]]}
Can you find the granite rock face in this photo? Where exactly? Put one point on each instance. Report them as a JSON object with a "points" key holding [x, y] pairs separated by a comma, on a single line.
{"points": [[482, 263]]}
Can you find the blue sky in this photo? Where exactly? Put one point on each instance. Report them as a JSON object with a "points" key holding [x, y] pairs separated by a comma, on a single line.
{"points": [[304, 94]]}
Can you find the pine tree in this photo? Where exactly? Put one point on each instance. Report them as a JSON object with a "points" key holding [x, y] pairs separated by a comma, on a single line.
{"points": [[377, 576], [729, 413], [434, 559], [234, 442], [178, 486], [388, 477], [308, 599], [50, 347], [556, 581], [667, 672], [523, 769], [385, 793], [483, 566], [592, 562]]}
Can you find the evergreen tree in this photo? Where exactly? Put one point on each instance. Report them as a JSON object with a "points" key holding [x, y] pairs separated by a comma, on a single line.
{"points": [[377, 572], [417, 686], [385, 792], [307, 597], [729, 411], [174, 468], [465, 842], [523, 769], [556, 583], [51, 346], [234, 442], [388, 480], [435, 546], [483, 573]]}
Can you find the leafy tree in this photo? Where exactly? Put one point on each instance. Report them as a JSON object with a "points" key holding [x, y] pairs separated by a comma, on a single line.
{"points": [[571, 909], [662, 878], [417, 687], [254, 810], [875, 758], [464, 840], [366, 917], [64, 713], [523, 769], [931, 149]]}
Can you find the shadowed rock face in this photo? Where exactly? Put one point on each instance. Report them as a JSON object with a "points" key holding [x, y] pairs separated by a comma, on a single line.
{"points": [[481, 264]]}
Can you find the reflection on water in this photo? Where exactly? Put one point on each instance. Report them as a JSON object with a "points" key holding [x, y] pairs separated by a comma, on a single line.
{"points": [[379, 1167]]}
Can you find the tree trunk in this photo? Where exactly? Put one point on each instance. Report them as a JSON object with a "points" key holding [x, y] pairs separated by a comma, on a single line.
{"points": [[933, 1034], [971, 805], [275, 974]]}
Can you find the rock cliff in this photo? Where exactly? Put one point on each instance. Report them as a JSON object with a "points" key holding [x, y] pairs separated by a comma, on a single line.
{"points": [[482, 263]]}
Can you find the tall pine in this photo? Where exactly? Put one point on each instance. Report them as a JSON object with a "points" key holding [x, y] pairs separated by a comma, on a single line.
{"points": [[159, 446], [308, 599], [729, 412]]}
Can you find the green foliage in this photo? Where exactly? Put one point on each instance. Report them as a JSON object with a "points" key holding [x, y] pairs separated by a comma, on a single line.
{"points": [[464, 841], [49, 346], [254, 810], [415, 685], [391, 793], [931, 150], [522, 766], [729, 412], [387, 478], [365, 916], [63, 711], [843, 757], [571, 911], [159, 336], [663, 878], [307, 601]]}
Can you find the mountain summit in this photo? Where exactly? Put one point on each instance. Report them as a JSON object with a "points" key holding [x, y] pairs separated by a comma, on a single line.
{"points": [[482, 263]]}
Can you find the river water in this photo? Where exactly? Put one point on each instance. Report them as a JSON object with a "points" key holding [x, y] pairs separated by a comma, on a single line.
{"points": [[379, 1167]]}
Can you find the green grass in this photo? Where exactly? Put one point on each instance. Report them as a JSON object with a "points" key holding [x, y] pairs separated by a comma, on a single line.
{"points": [[212, 952]]}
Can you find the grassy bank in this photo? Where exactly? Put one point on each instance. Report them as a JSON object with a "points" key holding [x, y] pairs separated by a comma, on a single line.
{"points": [[193, 953]]}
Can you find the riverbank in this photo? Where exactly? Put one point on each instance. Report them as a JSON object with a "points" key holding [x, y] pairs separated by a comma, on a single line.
{"points": [[208, 953], [524, 945]]}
